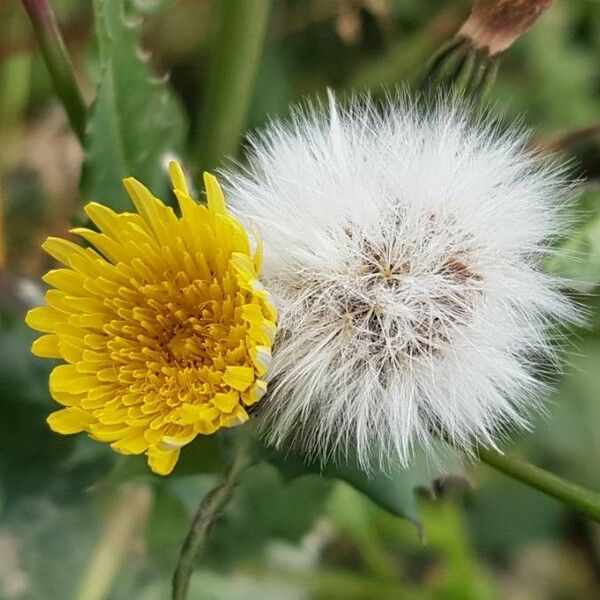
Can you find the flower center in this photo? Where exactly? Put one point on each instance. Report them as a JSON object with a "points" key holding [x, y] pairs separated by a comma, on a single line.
{"points": [[186, 349], [401, 294], [175, 340]]}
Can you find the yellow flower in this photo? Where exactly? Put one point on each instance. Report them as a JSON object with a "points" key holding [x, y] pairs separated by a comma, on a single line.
{"points": [[164, 326]]}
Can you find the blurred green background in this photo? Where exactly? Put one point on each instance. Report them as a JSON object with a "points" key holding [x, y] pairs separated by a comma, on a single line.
{"points": [[77, 521]]}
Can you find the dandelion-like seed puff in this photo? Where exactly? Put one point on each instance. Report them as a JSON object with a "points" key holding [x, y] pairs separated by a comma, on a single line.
{"points": [[164, 326], [403, 251]]}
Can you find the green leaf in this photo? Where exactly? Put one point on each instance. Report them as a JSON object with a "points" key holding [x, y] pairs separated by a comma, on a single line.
{"points": [[265, 507], [568, 440], [203, 455], [135, 121], [394, 490], [506, 516]]}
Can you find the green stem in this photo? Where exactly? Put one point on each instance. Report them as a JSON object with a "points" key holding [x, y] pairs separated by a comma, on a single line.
{"points": [[210, 508], [237, 51], [577, 497], [58, 61]]}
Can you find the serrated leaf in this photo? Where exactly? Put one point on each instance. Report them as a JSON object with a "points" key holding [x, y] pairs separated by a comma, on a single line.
{"points": [[394, 490], [135, 121]]}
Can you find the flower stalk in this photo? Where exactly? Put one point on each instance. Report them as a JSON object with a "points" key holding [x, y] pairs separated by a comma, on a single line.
{"points": [[577, 497], [210, 508], [58, 62], [238, 47]]}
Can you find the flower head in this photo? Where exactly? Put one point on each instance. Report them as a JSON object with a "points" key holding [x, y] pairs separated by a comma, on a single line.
{"points": [[402, 249], [164, 327]]}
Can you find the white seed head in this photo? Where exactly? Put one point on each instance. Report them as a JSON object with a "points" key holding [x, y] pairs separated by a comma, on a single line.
{"points": [[403, 250]]}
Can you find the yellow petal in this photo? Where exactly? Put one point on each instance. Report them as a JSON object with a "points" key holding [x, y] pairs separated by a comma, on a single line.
{"points": [[113, 250], [69, 420], [109, 221], [269, 330], [237, 417], [68, 399], [243, 266], [257, 260], [132, 443], [162, 461], [154, 213], [46, 347], [180, 439], [61, 250], [65, 279], [252, 314], [108, 433], [261, 357], [225, 402], [70, 350], [206, 427], [44, 318], [66, 378], [178, 177], [255, 393], [214, 194], [239, 378], [190, 209]]}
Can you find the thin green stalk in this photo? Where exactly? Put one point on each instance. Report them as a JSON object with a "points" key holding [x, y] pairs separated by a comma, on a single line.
{"points": [[208, 511], [58, 61], [577, 497], [238, 46]]}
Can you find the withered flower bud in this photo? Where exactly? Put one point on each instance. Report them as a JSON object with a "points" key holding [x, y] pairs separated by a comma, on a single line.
{"points": [[496, 24]]}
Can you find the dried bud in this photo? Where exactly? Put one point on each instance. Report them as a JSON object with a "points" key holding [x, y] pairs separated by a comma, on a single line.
{"points": [[496, 24]]}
